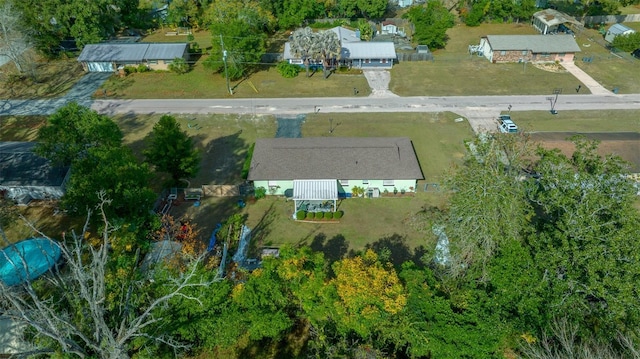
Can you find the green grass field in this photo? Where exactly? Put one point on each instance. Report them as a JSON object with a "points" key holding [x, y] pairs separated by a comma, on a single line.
{"points": [[455, 72], [579, 121], [619, 71]]}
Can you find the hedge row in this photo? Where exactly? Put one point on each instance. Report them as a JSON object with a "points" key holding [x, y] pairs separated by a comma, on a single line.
{"points": [[300, 215]]}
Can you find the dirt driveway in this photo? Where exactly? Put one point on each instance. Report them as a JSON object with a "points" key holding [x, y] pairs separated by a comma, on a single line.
{"points": [[624, 144]]}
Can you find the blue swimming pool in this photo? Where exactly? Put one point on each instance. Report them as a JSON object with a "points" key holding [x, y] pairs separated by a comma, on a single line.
{"points": [[27, 260]]}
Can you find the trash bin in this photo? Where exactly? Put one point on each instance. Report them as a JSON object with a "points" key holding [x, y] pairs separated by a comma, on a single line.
{"points": [[615, 90]]}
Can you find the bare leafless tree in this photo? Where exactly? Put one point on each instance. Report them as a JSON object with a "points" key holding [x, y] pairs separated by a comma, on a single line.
{"points": [[564, 343], [13, 41], [78, 318]]}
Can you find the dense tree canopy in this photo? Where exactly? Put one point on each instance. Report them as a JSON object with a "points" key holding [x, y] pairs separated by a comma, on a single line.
{"points": [[431, 22], [171, 150], [72, 130], [51, 21], [239, 34]]}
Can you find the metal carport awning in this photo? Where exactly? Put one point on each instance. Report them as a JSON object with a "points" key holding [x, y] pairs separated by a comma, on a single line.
{"points": [[315, 190]]}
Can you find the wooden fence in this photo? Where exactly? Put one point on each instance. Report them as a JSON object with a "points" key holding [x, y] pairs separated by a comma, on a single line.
{"points": [[610, 19]]}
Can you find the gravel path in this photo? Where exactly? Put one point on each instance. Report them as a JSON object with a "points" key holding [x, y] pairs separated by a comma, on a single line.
{"points": [[379, 82]]}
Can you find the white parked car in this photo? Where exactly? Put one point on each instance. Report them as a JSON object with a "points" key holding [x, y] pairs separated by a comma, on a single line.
{"points": [[506, 125]]}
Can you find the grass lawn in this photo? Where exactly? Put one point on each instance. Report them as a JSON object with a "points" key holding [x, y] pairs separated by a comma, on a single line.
{"points": [[221, 139], [455, 72], [397, 222], [620, 71], [52, 79], [201, 83], [579, 121], [437, 139]]}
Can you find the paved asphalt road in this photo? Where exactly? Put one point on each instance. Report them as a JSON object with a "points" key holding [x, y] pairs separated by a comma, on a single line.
{"points": [[292, 106]]}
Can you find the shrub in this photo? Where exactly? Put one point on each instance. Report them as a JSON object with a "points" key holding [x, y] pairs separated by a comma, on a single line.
{"points": [[194, 48], [328, 215], [319, 215], [179, 66], [300, 215], [260, 192], [310, 215], [288, 70], [190, 37], [130, 70], [338, 214], [143, 68], [247, 162]]}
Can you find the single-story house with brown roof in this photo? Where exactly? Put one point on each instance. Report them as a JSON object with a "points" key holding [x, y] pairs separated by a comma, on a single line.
{"points": [[326, 168], [108, 57], [25, 176], [353, 51], [528, 48]]}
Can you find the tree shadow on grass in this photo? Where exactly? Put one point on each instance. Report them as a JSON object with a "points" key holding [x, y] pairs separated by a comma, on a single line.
{"points": [[262, 230], [334, 249], [394, 249]]}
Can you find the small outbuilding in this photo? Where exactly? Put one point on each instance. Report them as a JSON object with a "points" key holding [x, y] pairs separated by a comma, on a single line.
{"points": [[617, 30], [389, 28], [25, 176], [108, 57]]}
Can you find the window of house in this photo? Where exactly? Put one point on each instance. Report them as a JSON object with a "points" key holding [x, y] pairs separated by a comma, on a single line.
{"points": [[524, 52], [503, 52], [167, 62], [388, 183], [344, 182], [365, 181], [367, 61], [383, 61], [153, 62], [273, 183], [562, 54], [296, 62], [546, 54]]}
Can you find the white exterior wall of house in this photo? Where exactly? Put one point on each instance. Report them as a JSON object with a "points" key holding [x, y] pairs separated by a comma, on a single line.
{"points": [[277, 187], [274, 187], [485, 47]]}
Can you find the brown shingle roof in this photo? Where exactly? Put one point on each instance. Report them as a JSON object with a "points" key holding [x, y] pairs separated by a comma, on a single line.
{"points": [[334, 157]]}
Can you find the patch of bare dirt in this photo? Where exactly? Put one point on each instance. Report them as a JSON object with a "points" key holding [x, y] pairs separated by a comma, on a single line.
{"points": [[623, 144], [550, 67]]}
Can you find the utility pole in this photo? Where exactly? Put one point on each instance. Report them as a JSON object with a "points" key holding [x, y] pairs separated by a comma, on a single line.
{"points": [[224, 60]]}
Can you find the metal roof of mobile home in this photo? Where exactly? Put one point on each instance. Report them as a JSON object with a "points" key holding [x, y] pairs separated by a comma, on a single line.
{"points": [[368, 50], [535, 43], [334, 157], [131, 52], [552, 17]]}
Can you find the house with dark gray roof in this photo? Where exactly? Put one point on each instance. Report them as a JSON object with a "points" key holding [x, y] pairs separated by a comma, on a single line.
{"points": [[529, 48], [25, 176], [353, 51], [108, 57], [326, 168]]}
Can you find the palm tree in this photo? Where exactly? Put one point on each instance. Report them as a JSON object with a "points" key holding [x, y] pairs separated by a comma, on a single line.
{"points": [[327, 49], [302, 44]]}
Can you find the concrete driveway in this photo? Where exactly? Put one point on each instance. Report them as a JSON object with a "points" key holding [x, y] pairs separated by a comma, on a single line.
{"points": [[379, 82]]}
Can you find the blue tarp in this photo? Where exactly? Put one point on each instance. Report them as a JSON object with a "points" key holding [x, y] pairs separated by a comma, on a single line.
{"points": [[27, 260], [212, 240]]}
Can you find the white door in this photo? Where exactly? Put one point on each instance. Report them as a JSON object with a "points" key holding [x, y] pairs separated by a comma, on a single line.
{"points": [[100, 66]]}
